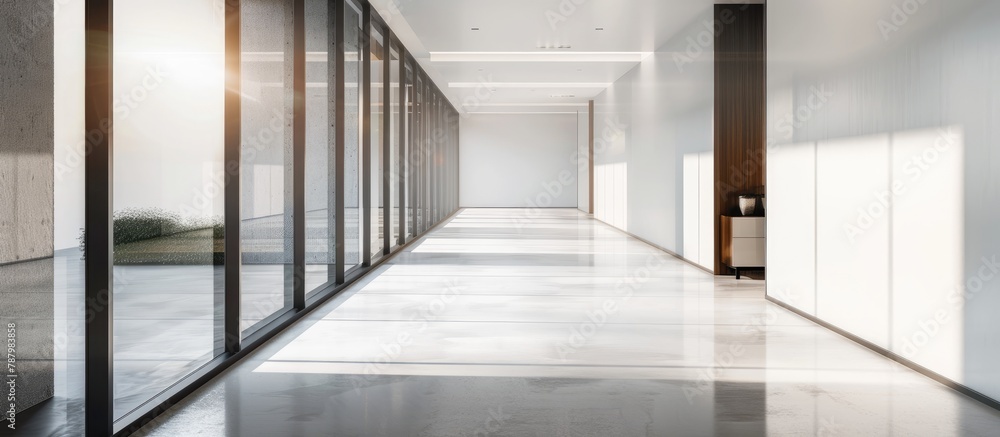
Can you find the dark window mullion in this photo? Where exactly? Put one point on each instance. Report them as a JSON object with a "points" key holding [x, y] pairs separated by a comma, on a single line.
{"points": [[233, 137], [99, 173], [299, 157]]}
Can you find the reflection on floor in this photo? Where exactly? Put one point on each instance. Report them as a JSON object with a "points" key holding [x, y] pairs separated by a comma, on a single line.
{"points": [[512, 323], [167, 317]]}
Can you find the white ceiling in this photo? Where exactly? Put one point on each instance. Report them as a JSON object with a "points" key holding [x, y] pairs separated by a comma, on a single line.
{"points": [[500, 65]]}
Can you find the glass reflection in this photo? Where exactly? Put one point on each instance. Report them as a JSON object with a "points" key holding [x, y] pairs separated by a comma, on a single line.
{"points": [[167, 193]]}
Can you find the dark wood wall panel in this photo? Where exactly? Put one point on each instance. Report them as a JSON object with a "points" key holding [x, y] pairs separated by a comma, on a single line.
{"points": [[740, 111]]}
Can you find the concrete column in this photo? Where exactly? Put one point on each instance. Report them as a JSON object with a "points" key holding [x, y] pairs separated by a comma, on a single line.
{"points": [[26, 193]]}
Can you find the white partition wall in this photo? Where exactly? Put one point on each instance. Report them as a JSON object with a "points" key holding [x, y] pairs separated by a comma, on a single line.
{"points": [[654, 164], [791, 206], [852, 267], [883, 198], [928, 227], [582, 159]]}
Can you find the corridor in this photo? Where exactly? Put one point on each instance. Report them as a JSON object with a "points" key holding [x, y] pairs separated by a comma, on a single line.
{"points": [[507, 322]]}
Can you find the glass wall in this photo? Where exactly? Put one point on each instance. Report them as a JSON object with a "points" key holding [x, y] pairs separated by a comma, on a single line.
{"points": [[168, 202], [392, 108], [411, 170], [266, 179], [376, 151], [354, 41], [260, 121], [419, 156], [321, 159]]}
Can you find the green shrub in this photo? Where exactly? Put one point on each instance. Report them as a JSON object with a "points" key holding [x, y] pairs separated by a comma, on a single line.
{"points": [[131, 225]]}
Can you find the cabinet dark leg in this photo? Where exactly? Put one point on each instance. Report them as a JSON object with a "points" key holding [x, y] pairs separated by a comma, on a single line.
{"points": [[737, 273]]}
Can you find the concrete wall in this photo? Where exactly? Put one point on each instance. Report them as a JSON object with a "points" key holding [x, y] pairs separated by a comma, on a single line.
{"points": [[26, 193], [519, 161], [26, 145]]}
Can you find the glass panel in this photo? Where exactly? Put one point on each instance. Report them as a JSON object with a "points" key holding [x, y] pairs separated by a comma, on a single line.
{"points": [[419, 157], [266, 184], [410, 169], [321, 162], [168, 197], [42, 305], [353, 226], [395, 153], [425, 150], [375, 170]]}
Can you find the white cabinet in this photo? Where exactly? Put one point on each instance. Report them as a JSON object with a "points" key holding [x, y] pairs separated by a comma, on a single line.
{"points": [[744, 242]]}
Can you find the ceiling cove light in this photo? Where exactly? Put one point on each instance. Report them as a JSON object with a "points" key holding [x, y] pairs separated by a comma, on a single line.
{"points": [[538, 56], [529, 85]]}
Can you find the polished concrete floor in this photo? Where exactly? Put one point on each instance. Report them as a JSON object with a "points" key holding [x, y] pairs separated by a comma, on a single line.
{"points": [[518, 323]]}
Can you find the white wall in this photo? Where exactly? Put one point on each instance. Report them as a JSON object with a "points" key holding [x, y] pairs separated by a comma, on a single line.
{"points": [[653, 146], [882, 188], [69, 122], [519, 161], [583, 160]]}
